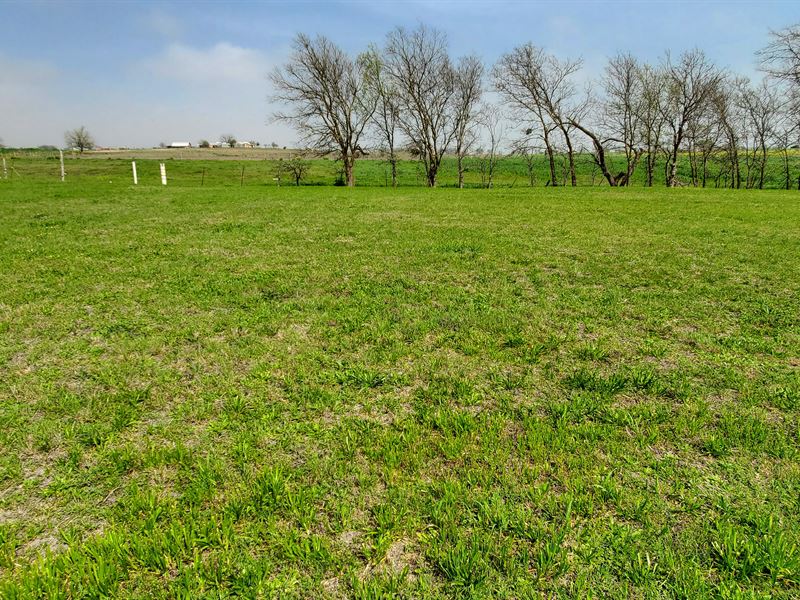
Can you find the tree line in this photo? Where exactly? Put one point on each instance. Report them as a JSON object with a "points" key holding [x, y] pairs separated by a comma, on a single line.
{"points": [[411, 95]]}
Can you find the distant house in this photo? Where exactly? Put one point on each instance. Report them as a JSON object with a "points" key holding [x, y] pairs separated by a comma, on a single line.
{"points": [[180, 145], [244, 145]]}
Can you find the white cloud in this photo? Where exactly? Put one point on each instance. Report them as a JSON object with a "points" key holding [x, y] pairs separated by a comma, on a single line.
{"points": [[222, 62]]}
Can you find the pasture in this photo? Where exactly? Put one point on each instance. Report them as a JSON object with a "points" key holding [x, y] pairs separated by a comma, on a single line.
{"points": [[236, 167], [377, 393]]}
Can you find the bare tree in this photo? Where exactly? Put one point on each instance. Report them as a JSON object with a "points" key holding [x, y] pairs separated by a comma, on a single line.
{"points": [[469, 88], [653, 87], [296, 168], [228, 139], [620, 116], [786, 134], [79, 138], [760, 111], [600, 157], [691, 83], [385, 119], [491, 118], [704, 135], [329, 100], [538, 88], [419, 68], [725, 108], [558, 93], [781, 61], [786, 130], [526, 148], [781, 57], [622, 109], [515, 77]]}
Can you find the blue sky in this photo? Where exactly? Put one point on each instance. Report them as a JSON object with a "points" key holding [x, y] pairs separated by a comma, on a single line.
{"points": [[139, 73]]}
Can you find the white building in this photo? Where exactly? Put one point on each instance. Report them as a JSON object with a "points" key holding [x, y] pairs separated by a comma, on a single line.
{"points": [[180, 145]]}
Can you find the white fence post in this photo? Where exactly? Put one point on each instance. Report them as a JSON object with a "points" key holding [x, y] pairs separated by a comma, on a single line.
{"points": [[163, 174], [135, 178], [61, 157], [5, 169]]}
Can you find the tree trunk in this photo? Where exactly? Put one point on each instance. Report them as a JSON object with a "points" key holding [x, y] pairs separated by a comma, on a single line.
{"points": [[570, 157], [651, 166], [672, 169], [460, 169], [705, 168], [349, 176], [677, 138], [633, 159], [599, 155], [693, 164], [433, 169], [748, 168], [786, 167], [551, 158]]}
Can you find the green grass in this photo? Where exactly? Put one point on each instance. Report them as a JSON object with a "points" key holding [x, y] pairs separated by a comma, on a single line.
{"points": [[368, 393], [511, 171]]}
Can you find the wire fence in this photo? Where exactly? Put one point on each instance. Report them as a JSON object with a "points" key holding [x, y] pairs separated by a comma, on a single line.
{"points": [[508, 171]]}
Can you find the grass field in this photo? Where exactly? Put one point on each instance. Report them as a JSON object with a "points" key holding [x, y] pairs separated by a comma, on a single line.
{"points": [[235, 167], [370, 393]]}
